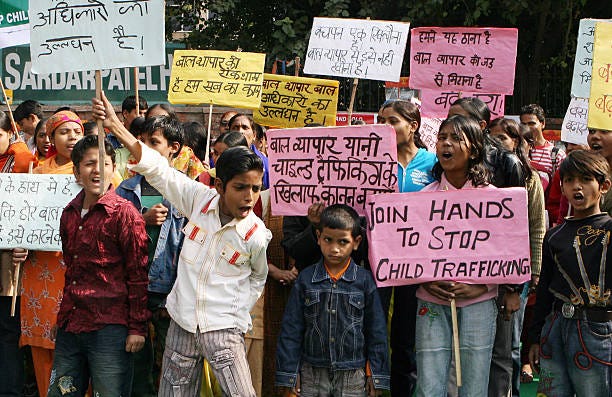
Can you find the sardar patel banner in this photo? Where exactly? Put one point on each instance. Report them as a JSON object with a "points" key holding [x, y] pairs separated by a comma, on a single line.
{"points": [[478, 236]]}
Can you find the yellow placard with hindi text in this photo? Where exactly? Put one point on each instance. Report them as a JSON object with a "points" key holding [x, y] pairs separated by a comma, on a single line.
{"points": [[225, 78], [600, 101], [288, 101]]}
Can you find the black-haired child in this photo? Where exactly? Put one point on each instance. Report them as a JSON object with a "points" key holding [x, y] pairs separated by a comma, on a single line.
{"points": [[222, 265], [570, 336], [334, 323], [103, 316]]}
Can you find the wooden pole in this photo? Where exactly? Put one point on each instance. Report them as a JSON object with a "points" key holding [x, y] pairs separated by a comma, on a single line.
{"points": [[101, 135], [10, 112], [350, 108], [210, 109], [136, 91], [15, 287], [456, 350], [297, 67]]}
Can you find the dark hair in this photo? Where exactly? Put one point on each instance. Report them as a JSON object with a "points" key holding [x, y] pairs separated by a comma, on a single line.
{"points": [[475, 107], [477, 171], [582, 162], [340, 216], [129, 103], [195, 137], [170, 128], [237, 115], [137, 126], [88, 142], [513, 130], [239, 160], [40, 125], [169, 109], [358, 122], [233, 139], [534, 109], [66, 109], [26, 108], [88, 127], [5, 122], [410, 112], [260, 131], [313, 125]]}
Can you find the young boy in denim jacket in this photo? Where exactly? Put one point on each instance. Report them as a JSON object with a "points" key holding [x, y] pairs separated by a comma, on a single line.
{"points": [[334, 322], [103, 315], [164, 224], [570, 335], [222, 265]]}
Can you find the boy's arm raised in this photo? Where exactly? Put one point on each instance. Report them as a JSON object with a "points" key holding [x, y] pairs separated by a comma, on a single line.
{"points": [[177, 188], [103, 110]]}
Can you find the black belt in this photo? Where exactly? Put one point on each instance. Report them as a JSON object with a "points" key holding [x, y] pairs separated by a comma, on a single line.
{"points": [[597, 314]]}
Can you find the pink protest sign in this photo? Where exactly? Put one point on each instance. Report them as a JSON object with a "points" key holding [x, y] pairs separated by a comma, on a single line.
{"points": [[435, 103], [463, 59], [478, 236], [330, 165]]}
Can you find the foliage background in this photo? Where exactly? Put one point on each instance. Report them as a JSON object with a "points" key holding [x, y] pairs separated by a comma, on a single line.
{"points": [[547, 35]]}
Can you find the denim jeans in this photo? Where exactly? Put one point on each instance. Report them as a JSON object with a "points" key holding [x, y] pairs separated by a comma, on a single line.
{"points": [[575, 357], [323, 382], [434, 347], [517, 329], [100, 354]]}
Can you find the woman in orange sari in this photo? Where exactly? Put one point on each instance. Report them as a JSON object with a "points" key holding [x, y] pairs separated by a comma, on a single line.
{"points": [[15, 157], [43, 272]]}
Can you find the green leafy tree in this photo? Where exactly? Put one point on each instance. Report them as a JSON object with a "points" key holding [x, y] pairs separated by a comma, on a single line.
{"points": [[547, 33]]}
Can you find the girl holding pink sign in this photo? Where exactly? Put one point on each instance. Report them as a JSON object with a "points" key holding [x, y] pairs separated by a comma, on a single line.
{"points": [[460, 151]]}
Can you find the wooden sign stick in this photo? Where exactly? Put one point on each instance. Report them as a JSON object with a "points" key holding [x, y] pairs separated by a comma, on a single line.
{"points": [[10, 112], [101, 134], [210, 109], [456, 341], [350, 108], [136, 91]]}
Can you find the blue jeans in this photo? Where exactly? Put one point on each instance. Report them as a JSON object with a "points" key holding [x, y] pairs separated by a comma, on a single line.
{"points": [[434, 346], [324, 382], [575, 357], [100, 354]]}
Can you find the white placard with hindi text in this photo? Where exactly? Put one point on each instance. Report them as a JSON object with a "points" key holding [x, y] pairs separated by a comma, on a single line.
{"points": [[574, 128], [78, 35], [583, 62], [356, 48], [30, 209]]}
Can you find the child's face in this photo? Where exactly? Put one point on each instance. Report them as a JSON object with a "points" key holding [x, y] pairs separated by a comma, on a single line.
{"points": [[88, 173], [218, 149], [42, 141], [502, 136], [160, 144], [337, 245], [240, 193], [453, 150], [583, 192], [28, 124], [404, 129], [600, 141], [65, 137]]}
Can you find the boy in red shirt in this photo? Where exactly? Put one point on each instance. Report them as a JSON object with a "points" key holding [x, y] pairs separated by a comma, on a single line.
{"points": [[103, 316]]}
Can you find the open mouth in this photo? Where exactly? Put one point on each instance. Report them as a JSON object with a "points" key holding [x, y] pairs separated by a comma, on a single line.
{"points": [[447, 155], [595, 146]]}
